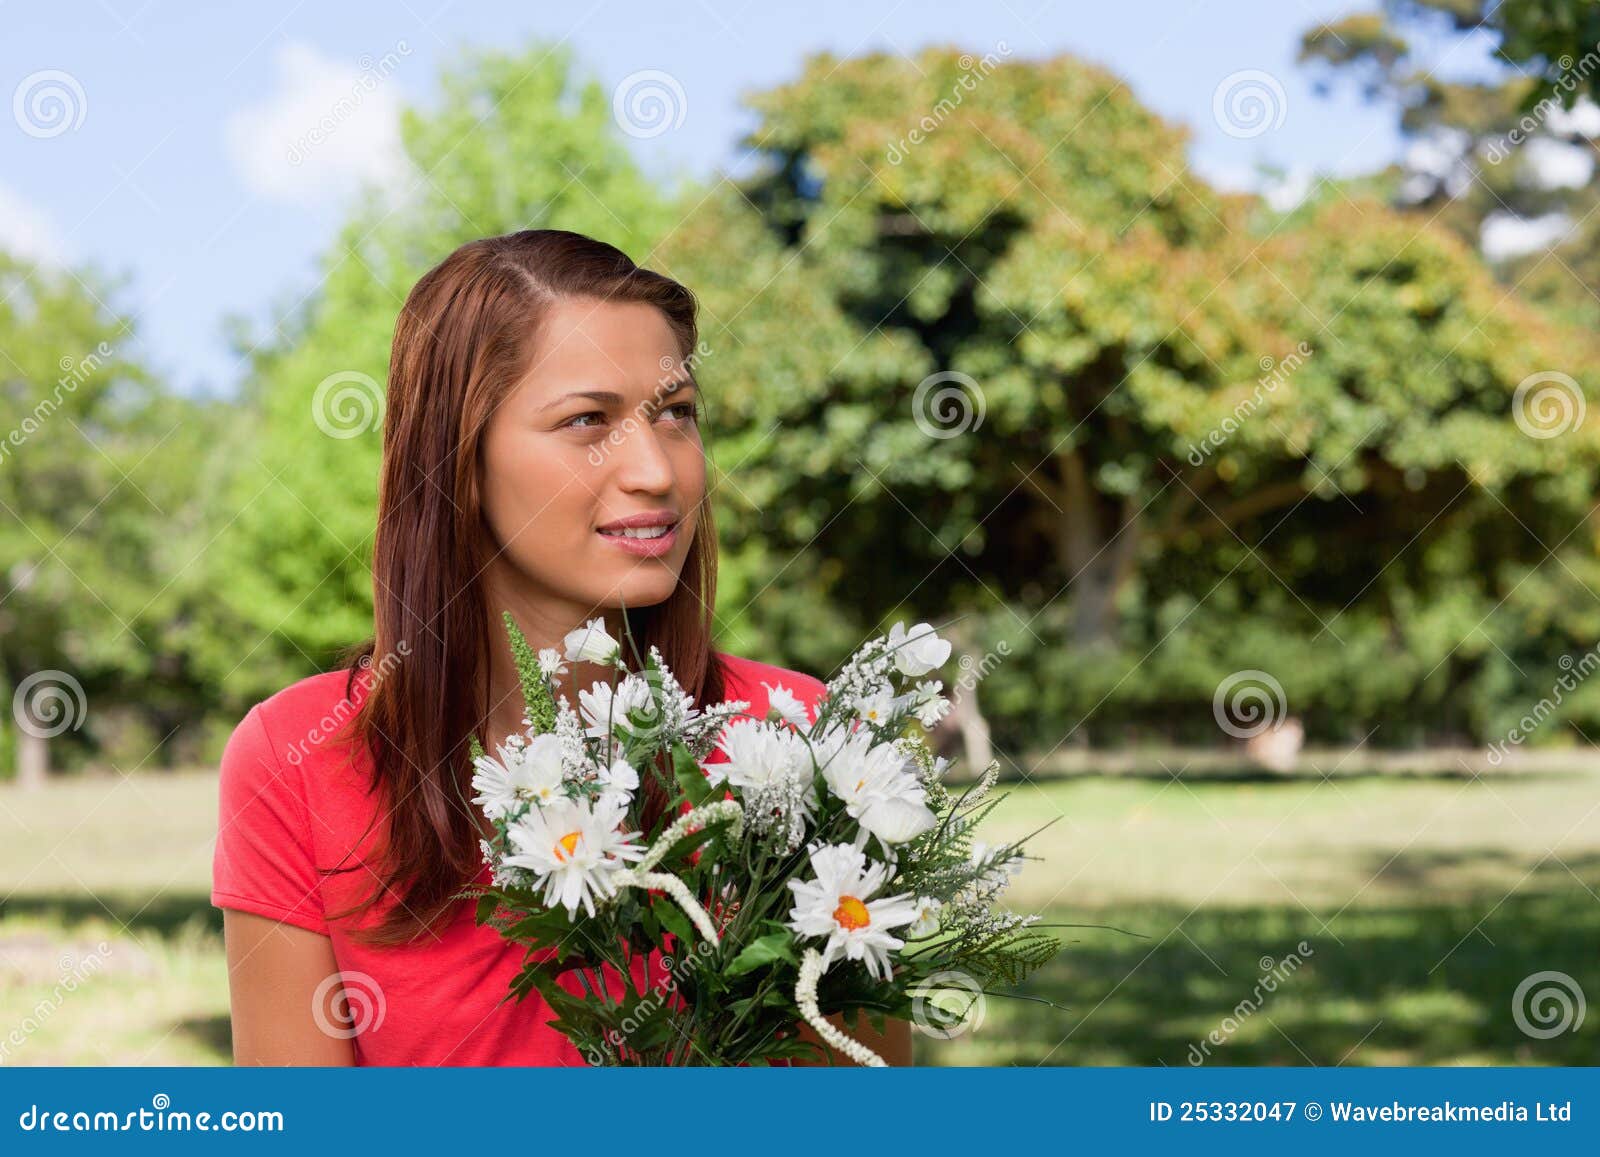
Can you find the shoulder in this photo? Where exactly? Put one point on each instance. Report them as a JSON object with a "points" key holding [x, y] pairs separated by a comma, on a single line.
{"points": [[284, 729], [752, 680]]}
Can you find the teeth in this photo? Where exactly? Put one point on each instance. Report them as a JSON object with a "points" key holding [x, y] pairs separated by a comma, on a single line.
{"points": [[639, 532]]}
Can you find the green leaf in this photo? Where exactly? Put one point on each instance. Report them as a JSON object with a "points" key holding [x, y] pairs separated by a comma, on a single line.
{"points": [[690, 776], [674, 920], [535, 691], [778, 946]]}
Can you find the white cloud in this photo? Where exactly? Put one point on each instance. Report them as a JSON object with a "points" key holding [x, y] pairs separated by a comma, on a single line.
{"points": [[1285, 193], [1583, 119], [1281, 191], [1437, 153], [1551, 164], [27, 232], [1506, 235], [327, 127]]}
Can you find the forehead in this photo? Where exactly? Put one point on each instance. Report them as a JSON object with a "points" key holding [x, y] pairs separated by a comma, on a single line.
{"points": [[597, 344]]}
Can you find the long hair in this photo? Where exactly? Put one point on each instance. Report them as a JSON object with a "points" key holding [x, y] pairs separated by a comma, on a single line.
{"points": [[466, 335]]}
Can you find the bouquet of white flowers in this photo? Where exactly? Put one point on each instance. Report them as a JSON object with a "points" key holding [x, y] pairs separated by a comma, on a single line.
{"points": [[824, 867]]}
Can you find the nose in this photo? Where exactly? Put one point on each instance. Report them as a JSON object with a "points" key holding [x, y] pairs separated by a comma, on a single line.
{"points": [[642, 463]]}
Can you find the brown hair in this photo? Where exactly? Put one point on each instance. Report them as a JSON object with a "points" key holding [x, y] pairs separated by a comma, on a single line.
{"points": [[464, 338]]}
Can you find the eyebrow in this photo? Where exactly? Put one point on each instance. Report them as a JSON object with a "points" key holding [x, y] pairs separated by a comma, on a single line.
{"points": [[612, 398]]}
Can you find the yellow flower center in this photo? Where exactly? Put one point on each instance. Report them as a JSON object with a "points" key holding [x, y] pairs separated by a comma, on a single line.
{"points": [[569, 842], [851, 914]]}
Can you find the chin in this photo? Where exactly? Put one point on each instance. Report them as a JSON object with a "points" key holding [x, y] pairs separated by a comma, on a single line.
{"points": [[641, 590]]}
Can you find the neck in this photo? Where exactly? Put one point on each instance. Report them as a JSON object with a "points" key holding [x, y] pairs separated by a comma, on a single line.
{"points": [[544, 623]]}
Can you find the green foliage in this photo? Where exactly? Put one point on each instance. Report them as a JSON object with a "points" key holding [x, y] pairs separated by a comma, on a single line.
{"points": [[517, 140], [1113, 314], [540, 704]]}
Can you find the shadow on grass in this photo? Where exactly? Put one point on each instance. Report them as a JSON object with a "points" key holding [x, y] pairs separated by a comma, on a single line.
{"points": [[161, 916], [1406, 984]]}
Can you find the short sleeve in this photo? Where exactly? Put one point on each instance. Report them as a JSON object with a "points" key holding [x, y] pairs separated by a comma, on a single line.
{"points": [[264, 861]]}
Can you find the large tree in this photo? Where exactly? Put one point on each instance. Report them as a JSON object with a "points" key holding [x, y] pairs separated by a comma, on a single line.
{"points": [[97, 465], [1040, 247]]}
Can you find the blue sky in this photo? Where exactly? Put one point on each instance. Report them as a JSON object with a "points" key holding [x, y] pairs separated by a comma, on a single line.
{"points": [[169, 167]]}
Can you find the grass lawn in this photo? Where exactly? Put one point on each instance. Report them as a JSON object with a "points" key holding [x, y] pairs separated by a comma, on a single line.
{"points": [[1421, 903]]}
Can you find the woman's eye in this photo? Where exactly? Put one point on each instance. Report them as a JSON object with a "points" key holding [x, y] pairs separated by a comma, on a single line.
{"points": [[683, 411], [583, 421]]}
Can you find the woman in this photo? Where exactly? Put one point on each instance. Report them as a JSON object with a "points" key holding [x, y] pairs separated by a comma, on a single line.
{"points": [[542, 455]]}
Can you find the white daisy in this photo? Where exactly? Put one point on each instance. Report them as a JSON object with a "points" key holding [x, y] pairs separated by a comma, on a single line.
{"points": [[527, 769], [590, 644], [838, 904], [927, 921], [917, 651], [997, 868], [878, 706], [787, 705], [574, 849], [771, 767], [606, 708], [878, 788], [618, 783], [930, 705], [550, 664]]}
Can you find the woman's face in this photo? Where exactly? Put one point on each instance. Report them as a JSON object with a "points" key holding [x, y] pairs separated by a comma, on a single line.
{"points": [[602, 429]]}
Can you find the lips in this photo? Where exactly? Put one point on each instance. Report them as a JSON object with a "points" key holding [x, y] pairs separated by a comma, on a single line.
{"points": [[644, 535], [650, 525]]}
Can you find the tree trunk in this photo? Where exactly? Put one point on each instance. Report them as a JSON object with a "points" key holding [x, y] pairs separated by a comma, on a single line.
{"points": [[33, 760], [1097, 560], [965, 724]]}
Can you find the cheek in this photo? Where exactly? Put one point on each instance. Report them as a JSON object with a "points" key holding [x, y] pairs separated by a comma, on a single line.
{"points": [[530, 492]]}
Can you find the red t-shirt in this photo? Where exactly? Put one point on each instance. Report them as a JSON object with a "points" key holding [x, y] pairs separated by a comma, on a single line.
{"points": [[291, 803]]}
